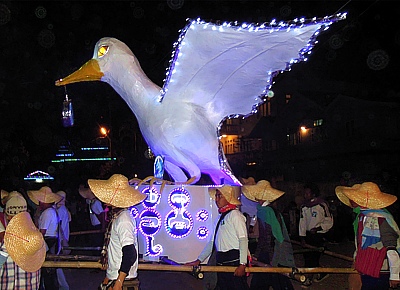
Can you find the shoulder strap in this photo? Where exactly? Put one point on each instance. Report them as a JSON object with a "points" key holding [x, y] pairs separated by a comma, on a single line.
{"points": [[221, 218]]}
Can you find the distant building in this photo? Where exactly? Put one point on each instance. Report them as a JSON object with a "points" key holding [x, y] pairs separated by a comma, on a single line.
{"points": [[296, 139]]}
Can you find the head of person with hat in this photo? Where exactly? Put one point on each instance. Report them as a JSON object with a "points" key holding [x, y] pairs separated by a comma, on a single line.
{"points": [[365, 195], [44, 197], [226, 197], [261, 192], [119, 256], [377, 234], [14, 204], [24, 242]]}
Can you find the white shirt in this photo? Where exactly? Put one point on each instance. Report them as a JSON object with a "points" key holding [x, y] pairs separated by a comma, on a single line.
{"points": [[65, 218], [231, 229], [95, 208], [123, 233], [48, 221]]}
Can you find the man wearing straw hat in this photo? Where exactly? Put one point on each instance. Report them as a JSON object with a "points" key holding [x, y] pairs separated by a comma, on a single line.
{"points": [[22, 245], [229, 242], [48, 224], [376, 235], [119, 256], [274, 246]]}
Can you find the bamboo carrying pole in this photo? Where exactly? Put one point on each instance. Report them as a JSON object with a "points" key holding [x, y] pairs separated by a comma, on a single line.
{"points": [[183, 268], [333, 254]]}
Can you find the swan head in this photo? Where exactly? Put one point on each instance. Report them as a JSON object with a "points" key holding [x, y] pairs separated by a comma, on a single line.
{"points": [[106, 51]]}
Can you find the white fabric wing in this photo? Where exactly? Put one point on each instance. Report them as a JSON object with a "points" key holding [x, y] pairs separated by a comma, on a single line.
{"points": [[226, 69]]}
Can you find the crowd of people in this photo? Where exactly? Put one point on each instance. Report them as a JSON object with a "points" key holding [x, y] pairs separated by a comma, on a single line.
{"points": [[239, 239]]}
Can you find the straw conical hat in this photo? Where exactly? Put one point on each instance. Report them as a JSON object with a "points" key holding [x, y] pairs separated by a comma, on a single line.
{"points": [[261, 191], [231, 193], [25, 243], [116, 191], [367, 195], [44, 195]]}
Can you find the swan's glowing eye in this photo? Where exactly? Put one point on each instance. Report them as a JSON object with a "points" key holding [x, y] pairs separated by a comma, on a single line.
{"points": [[102, 51]]}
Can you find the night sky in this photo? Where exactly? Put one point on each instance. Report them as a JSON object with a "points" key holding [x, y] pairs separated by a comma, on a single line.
{"points": [[42, 41]]}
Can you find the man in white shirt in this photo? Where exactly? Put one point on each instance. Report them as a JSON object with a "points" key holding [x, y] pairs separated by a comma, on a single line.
{"points": [[119, 256]]}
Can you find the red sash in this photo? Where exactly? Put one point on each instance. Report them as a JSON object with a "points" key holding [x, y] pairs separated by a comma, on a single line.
{"points": [[368, 261]]}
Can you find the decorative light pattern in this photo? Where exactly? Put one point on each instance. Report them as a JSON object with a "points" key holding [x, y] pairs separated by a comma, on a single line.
{"points": [[151, 220], [38, 176], [202, 215], [134, 212], [153, 197], [202, 232], [179, 221], [271, 27]]}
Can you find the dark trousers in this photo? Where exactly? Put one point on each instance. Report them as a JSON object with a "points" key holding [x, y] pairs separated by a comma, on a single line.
{"points": [[371, 283], [311, 259], [262, 281], [227, 281], [48, 279]]}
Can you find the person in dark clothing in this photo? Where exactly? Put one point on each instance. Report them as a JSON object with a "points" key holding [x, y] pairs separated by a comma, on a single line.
{"points": [[274, 247], [315, 221]]}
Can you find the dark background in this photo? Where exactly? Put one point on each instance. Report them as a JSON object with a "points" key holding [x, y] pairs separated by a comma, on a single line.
{"points": [[41, 41]]}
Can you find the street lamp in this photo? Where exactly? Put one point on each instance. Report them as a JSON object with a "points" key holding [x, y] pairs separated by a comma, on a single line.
{"points": [[105, 132]]}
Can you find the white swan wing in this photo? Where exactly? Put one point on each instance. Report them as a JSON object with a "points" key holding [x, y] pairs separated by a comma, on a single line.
{"points": [[228, 69]]}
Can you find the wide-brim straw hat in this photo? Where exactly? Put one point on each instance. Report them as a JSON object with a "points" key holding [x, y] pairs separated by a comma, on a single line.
{"points": [[86, 193], [231, 193], [5, 195], [25, 243], [44, 195], [367, 195], [261, 191], [116, 191]]}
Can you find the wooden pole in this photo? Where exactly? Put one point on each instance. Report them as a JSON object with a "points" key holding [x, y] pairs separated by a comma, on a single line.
{"points": [[333, 254], [183, 268], [86, 232]]}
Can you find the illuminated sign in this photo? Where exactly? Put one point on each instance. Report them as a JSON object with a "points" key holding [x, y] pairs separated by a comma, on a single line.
{"points": [[176, 223]]}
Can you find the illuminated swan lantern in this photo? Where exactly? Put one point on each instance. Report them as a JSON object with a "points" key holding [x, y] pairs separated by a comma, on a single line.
{"points": [[217, 71]]}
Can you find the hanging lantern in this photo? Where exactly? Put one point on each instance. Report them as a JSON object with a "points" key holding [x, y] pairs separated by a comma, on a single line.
{"points": [[67, 112], [159, 167]]}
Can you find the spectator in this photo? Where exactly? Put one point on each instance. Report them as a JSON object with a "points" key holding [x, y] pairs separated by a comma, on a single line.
{"points": [[274, 247], [229, 242], [315, 221], [119, 256], [22, 245], [48, 226], [97, 215], [376, 235], [64, 217]]}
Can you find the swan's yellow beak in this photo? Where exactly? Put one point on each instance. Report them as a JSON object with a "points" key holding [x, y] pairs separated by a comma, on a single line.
{"points": [[90, 71]]}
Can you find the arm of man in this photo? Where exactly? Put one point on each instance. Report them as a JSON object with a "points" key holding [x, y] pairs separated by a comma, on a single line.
{"points": [[389, 240]]}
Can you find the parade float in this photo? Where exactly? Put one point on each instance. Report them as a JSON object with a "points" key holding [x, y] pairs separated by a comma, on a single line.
{"points": [[217, 71]]}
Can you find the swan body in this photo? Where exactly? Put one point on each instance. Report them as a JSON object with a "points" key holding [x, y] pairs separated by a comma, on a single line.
{"points": [[216, 71]]}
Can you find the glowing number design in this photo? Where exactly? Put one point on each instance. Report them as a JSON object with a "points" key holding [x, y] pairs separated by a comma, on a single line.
{"points": [[202, 215], [179, 221], [202, 233], [150, 221]]}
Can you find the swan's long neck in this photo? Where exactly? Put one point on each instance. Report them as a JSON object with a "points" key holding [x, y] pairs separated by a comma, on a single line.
{"points": [[132, 84]]}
